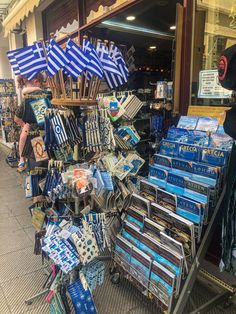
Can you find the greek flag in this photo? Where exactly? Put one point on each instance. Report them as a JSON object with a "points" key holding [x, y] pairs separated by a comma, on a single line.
{"points": [[117, 57], [110, 68], [78, 59], [59, 129], [31, 60], [13, 62], [57, 58], [94, 67]]}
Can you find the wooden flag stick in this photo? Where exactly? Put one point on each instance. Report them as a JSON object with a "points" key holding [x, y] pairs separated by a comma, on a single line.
{"points": [[62, 83], [71, 87], [81, 85], [48, 77], [97, 80], [85, 86], [90, 86]]}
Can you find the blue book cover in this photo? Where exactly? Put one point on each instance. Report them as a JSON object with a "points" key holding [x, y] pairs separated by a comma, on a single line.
{"points": [[183, 186], [188, 122], [162, 160], [221, 141], [214, 156], [199, 138], [157, 176], [189, 209], [169, 148], [181, 164], [175, 184], [209, 171], [178, 135], [188, 152], [207, 124], [166, 199], [148, 189]]}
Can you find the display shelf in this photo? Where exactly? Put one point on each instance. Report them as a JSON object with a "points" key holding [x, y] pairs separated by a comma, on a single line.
{"points": [[68, 102]]}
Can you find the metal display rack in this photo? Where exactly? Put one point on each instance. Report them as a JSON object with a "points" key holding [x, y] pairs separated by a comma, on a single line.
{"points": [[179, 303], [196, 270]]}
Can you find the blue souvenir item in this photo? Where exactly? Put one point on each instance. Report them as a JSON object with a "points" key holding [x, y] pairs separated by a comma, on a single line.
{"points": [[187, 122], [59, 129], [81, 298], [169, 148], [163, 161], [207, 124], [140, 265], [221, 141], [157, 176], [189, 209], [39, 107], [178, 135], [162, 284], [188, 152], [217, 157]]}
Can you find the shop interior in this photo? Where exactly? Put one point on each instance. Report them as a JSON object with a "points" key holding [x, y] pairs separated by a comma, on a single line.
{"points": [[150, 30]]}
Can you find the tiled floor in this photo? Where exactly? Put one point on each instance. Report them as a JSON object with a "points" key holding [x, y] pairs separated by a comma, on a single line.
{"points": [[21, 274]]}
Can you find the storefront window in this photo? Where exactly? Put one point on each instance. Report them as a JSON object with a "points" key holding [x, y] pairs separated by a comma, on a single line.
{"points": [[215, 30]]}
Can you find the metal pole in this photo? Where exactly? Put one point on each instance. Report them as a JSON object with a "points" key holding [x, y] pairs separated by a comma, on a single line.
{"points": [[195, 268]]}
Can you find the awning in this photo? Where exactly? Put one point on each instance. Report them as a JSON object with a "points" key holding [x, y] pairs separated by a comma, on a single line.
{"points": [[22, 9]]}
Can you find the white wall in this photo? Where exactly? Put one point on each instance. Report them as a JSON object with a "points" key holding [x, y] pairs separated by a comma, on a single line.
{"points": [[34, 27]]}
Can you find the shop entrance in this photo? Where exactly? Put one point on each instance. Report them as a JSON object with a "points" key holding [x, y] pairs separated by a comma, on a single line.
{"points": [[146, 34]]}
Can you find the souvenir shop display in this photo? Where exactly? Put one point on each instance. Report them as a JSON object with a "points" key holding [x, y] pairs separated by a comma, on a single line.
{"points": [[167, 221], [91, 198]]}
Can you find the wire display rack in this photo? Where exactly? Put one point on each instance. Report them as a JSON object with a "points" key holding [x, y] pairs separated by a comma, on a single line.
{"points": [[177, 305]]}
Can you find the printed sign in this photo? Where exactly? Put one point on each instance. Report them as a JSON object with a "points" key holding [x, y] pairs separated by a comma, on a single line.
{"points": [[209, 86]]}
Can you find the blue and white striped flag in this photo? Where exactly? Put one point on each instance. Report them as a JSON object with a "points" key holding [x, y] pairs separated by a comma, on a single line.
{"points": [[57, 58], [110, 68], [59, 130], [31, 60], [94, 67], [117, 57], [13, 62], [78, 59]]}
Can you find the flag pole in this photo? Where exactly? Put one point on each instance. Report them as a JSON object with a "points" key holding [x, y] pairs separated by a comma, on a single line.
{"points": [[46, 57], [85, 77], [70, 80], [60, 74], [54, 81], [80, 83], [98, 81]]}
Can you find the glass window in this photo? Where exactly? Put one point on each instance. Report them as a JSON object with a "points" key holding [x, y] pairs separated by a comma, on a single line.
{"points": [[215, 30]]}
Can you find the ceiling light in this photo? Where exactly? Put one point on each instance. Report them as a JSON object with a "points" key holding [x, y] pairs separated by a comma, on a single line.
{"points": [[130, 18], [173, 27], [133, 28], [153, 47]]}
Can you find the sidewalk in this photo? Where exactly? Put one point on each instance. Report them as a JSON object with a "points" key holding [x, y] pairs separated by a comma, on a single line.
{"points": [[21, 274]]}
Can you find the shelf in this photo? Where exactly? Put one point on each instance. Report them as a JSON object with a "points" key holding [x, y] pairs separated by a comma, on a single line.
{"points": [[73, 102]]}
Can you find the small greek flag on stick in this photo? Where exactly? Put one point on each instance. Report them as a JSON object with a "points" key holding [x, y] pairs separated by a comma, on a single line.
{"points": [[117, 57], [28, 61], [94, 67], [110, 68], [13, 62], [78, 59], [57, 58]]}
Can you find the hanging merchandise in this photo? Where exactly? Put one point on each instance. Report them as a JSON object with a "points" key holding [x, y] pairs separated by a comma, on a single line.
{"points": [[40, 154], [81, 296], [39, 107]]}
